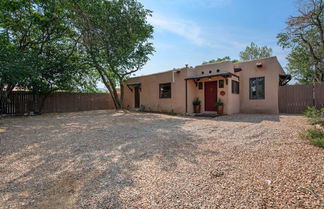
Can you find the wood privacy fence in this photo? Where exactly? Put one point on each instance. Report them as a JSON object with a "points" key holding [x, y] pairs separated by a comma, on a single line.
{"points": [[21, 102], [295, 99]]}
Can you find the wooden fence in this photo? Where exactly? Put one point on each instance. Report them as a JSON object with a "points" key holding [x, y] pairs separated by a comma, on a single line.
{"points": [[25, 102], [294, 99]]}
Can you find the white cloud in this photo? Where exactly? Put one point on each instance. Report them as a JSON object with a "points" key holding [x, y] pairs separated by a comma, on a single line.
{"points": [[187, 29]]}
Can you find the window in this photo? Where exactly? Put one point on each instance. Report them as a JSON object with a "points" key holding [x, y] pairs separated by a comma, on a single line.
{"points": [[257, 88], [200, 85], [165, 90], [235, 87], [221, 84]]}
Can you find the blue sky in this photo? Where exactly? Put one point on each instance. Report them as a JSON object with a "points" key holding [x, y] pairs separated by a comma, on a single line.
{"points": [[193, 31]]}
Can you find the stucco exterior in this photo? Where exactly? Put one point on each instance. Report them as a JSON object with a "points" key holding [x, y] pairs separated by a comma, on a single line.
{"points": [[185, 87]]}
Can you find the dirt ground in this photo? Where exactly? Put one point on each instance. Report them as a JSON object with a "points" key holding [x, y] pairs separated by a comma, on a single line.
{"points": [[107, 159]]}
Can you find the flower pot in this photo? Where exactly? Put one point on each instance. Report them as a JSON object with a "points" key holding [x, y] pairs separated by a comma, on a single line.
{"points": [[220, 110], [197, 108]]}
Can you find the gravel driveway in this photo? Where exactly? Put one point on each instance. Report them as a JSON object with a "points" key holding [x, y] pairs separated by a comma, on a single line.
{"points": [[106, 159]]}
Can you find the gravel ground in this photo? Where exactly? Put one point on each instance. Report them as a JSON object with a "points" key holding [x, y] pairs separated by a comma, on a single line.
{"points": [[106, 159]]}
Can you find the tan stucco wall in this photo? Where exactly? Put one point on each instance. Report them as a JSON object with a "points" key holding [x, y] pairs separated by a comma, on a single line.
{"points": [[149, 95], [233, 103], [270, 70]]}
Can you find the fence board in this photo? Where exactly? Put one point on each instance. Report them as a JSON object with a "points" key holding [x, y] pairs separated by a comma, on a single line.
{"points": [[26, 102], [319, 95], [294, 99]]}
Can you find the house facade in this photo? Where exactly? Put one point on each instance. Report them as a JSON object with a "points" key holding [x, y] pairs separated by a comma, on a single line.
{"points": [[243, 87]]}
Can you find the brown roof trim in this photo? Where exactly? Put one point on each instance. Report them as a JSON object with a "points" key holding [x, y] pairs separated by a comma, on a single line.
{"points": [[134, 84], [284, 79], [222, 74]]}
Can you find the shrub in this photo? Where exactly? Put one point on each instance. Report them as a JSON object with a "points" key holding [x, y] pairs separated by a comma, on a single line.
{"points": [[315, 133], [316, 137], [318, 142], [196, 101], [316, 115]]}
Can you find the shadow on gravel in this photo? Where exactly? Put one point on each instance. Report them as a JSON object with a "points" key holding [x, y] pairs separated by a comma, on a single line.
{"points": [[249, 118], [84, 160]]}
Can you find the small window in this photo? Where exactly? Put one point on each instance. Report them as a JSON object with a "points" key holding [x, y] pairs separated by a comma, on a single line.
{"points": [[202, 72], [257, 88], [165, 90], [200, 85], [235, 87], [221, 84], [210, 71]]}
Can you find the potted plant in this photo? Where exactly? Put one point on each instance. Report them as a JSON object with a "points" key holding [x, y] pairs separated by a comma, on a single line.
{"points": [[220, 107], [196, 103]]}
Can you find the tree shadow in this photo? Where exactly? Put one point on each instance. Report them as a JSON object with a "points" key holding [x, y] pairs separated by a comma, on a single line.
{"points": [[244, 118], [86, 159]]}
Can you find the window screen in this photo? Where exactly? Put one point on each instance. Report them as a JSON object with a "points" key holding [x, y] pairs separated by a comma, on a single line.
{"points": [[235, 87], [257, 88], [165, 90]]}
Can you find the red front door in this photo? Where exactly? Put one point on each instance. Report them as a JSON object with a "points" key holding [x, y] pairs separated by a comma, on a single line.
{"points": [[210, 95]]}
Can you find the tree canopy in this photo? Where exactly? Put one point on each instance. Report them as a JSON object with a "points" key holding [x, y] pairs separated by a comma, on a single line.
{"points": [[39, 47], [304, 35], [116, 37], [253, 51], [226, 58]]}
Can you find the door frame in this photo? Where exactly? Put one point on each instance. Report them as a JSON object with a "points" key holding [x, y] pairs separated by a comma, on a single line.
{"points": [[216, 83]]}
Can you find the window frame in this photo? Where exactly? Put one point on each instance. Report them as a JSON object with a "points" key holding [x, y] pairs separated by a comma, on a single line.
{"points": [[235, 90], [160, 92], [221, 84], [257, 97]]}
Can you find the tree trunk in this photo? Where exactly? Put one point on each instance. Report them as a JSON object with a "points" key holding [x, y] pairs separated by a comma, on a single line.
{"points": [[121, 93]]}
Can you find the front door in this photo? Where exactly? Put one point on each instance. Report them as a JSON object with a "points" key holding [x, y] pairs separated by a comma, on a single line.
{"points": [[137, 97], [210, 95]]}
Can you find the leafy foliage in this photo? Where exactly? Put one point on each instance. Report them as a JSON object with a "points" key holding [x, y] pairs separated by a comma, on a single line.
{"points": [[255, 52], [38, 36], [315, 135], [226, 58], [316, 115], [304, 35], [116, 37]]}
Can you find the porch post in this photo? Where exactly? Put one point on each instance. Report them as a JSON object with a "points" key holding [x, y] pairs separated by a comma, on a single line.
{"points": [[186, 96]]}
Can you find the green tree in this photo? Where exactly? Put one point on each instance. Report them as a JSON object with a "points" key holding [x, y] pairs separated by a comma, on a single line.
{"points": [[226, 58], [40, 50], [255, 52], [116, 37], [304, 35]]}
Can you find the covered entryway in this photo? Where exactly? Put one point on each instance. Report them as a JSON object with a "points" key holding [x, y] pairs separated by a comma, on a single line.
{"points": [[136, 89], [210, 95]]}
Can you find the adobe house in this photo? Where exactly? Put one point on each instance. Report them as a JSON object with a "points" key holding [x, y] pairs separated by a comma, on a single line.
{"points": [[243, 87]]}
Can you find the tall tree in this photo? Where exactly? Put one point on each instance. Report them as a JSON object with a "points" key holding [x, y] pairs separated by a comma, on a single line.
{"points": [[116, 37], [255, 52], [39, 47], [226, 58], [304, 35]]}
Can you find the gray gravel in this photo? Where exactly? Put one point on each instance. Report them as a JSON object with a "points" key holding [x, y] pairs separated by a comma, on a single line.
{"points": [[107, 159]]}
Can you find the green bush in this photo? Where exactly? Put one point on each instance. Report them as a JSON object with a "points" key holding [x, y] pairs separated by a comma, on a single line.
{"points": [[313, 112], [316, 115], [316, 137], [315, 133], [318, 142]]}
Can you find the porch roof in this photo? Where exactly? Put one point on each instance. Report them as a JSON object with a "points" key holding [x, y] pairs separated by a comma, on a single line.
{"points": [[221, 74]]}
